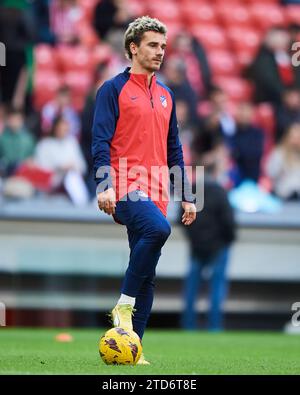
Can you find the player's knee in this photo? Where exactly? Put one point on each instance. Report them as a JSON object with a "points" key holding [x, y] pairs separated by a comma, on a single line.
{"points": [[162, 232]]}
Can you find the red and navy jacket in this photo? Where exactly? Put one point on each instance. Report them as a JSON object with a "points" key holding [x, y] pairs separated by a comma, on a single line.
{"points": [[137, 123]]}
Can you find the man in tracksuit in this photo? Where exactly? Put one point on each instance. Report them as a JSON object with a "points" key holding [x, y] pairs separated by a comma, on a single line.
{"points": [[135, 132]]}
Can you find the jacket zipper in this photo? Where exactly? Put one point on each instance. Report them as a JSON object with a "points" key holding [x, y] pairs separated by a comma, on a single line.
{"points": [[150, 93]]}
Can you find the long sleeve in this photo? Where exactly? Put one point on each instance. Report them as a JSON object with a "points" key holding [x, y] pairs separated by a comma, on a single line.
{"points": [[105, 119], [175, 157]]}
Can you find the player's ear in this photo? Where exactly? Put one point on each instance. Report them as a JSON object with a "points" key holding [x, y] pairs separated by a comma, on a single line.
{"points": [[133, 48]]}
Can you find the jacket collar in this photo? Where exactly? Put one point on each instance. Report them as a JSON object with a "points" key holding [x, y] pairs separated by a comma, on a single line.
{"points": [[141, 79]]}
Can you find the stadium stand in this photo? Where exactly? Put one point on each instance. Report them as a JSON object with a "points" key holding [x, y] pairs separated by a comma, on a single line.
{"points": [[231, 34]]}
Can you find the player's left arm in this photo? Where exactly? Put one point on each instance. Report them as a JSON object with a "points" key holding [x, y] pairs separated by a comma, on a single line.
{"points": [[175, 158]]}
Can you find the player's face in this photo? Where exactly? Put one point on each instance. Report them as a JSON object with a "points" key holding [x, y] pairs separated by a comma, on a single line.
{"points": [[150, 53]]}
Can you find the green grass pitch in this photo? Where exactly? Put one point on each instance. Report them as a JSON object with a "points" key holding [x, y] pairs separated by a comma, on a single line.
{"points": [[34, 351]]}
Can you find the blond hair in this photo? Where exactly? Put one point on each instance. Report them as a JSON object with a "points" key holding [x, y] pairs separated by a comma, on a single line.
{"points": [[137, 28]]}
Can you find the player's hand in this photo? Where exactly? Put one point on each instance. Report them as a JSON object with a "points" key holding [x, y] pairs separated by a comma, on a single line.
{"points": [[107, 201], [189, 214]]}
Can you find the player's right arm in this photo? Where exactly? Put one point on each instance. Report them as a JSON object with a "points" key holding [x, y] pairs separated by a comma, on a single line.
{"points": [[104, 125]]}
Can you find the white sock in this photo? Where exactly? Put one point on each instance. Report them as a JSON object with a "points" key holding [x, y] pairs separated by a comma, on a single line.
{"points": [[125, 299]]}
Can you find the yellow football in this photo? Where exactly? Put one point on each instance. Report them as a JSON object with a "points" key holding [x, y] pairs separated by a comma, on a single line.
{"points": [[120, 347]]}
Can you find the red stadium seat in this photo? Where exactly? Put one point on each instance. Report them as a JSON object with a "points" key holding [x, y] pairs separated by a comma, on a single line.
{"points": [[202, 13], [80, 84], [244, 38], [174, 28], [237, 15], [45, 57], [292, 13], [211, 36], [244, 57], [165, 11], [137, 7], [101, 54], [265, 117], [87, 36], [74, 58], [268, 15], [237, 89], [88, 8], [45, 85], [223, 63]]}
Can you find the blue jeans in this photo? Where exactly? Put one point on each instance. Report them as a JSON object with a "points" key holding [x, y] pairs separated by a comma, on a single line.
{"points": [[147, 230], [218, 290]]}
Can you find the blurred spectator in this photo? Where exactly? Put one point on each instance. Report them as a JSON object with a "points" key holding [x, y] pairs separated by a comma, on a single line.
{"points": [[209, 238], [219, 109], [186, 128], [294, 32], [271, 70], [247, 144], [288, 112], [191, 52], [209, 139], [41, 13], [175, 76], [102, 73], [61, 105], [111, 15], [16, 143], [64, 20], [283, 166], [61, 154], [16, 32]]}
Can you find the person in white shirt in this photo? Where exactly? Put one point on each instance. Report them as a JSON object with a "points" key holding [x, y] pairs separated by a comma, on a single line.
{"points": [[283, 166], [61, 154]]}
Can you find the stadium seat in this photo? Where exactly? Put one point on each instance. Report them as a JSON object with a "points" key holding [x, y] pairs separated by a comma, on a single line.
{"points": [[80, 84], [223, 63], [237, 15], [237, 89], [137, 7], [87, 36], [244, 57], [74, 58], [45, 57], [211, 36], [165, 11], [244, 38], [264, 116], [268, 15], [45, 84], [292, 13], [174, 28], [202, 13], [88, 7], [101, 54]]}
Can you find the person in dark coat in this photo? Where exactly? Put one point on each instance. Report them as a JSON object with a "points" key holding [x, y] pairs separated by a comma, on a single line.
{"points": [[288, 113], [271, 70], [209, 237], [110, 14], [247, 144]]}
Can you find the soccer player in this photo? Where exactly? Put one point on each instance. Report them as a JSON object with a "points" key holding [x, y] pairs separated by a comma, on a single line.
{"points": [[135, 121]]}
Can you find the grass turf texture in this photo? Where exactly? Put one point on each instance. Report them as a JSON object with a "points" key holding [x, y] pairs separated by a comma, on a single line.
{"points": [[34, 351]]}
